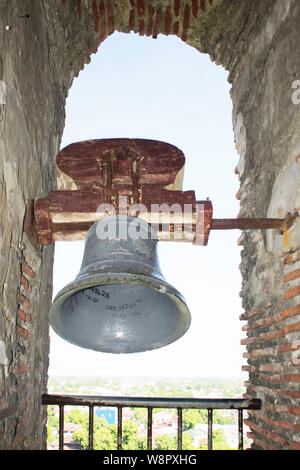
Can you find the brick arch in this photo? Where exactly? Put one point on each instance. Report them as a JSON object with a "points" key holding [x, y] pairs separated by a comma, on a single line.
{"points": [[147, 18], [215, 27]]}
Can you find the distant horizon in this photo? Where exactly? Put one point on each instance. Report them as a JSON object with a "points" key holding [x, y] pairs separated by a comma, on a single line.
{"points": [[143, 377]]}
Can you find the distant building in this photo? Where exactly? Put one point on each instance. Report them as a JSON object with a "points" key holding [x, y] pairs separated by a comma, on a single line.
{"points": [[165, 418], [69, 444], [128, 414], [69, 428], [108, 413], [199, 436]]}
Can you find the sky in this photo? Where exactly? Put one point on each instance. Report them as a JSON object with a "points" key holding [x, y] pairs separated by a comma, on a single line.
{"points": [[163, 89]]}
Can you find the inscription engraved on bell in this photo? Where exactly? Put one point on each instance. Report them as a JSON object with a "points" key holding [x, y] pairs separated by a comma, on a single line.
{"points": [[120, 302]]}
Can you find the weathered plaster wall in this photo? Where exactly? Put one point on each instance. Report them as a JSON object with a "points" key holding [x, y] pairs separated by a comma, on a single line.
{"points": [[31, 123], [40, 53], [266, 122]]}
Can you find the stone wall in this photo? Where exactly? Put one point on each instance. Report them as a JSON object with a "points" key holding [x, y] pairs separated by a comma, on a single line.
{"points": [[31, 124], [43, 45], [266, 118]]}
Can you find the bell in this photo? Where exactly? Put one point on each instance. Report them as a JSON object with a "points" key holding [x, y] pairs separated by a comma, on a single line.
{"points": [[120, 302]]}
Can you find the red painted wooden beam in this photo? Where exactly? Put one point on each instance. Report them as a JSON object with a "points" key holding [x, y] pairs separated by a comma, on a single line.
{"points": [[99, 175]]}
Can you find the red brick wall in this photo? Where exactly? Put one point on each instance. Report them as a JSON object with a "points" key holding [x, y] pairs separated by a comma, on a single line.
{"points": [[273, 357]]}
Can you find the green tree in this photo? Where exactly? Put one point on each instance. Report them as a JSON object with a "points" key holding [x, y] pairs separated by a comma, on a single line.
{"points": [[219, 441], [187, 442], [50, 436], [77, 416], [130, 438], [52, 419], [223, 417], [105, 436], [192, 417], [165, 442], [137, 443], [52, 424], [140, 415], [129, 431], [81, 438]]}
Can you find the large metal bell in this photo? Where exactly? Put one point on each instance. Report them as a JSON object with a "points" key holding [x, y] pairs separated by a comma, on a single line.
{"points": [[120, 301]]}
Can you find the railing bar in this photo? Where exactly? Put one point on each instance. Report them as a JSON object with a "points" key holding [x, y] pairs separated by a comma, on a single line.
{"points": [[155, 402], [210, 423], [119, 427], [91, 427], [240, 431], [239, 404], [149, 428], [61, 427], [179, 429]]}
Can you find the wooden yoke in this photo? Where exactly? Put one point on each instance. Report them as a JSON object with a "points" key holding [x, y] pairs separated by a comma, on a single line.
{"points": [[138, 177]]}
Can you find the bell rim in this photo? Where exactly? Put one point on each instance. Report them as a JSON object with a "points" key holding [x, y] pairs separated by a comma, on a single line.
{"points": [[107, 278], [140, 280]]}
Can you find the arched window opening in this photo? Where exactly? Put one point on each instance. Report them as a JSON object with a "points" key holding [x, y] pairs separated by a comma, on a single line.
{"points": [[165, 90]]}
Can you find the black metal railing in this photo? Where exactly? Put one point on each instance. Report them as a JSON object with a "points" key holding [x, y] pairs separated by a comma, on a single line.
{"points": [[210, 404]]}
